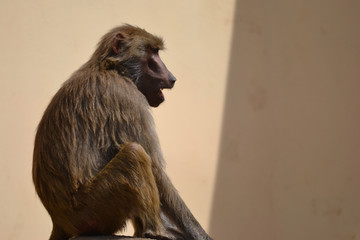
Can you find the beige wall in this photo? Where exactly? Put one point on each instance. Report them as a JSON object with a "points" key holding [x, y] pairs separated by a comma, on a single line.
{"points": [[290, 151], [288, 144], [42, 42]]}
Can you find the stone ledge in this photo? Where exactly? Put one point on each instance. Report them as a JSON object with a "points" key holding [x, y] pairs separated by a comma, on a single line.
{"points": [[108, 238]]}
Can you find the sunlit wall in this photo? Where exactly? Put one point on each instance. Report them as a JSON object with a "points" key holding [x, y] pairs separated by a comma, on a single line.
{"points": [[42, 42]]}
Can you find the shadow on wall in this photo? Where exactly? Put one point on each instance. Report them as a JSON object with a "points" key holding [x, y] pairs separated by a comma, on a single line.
{"points": [[289, 154]]}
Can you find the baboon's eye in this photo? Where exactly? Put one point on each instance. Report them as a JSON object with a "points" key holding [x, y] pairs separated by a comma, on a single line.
{"points": [[155, 50]]}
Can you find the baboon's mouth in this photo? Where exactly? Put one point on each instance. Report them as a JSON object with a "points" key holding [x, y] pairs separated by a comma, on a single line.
{"points": [[161, 94]]}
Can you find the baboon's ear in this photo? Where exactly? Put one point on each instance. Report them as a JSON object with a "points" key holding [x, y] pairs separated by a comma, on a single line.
{"points": [[116, 42]]}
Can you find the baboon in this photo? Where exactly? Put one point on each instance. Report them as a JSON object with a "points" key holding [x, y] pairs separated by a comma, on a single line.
{"points": [[97, 160]]}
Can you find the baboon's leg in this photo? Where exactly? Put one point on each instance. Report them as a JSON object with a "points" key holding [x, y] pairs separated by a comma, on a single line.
{"points": [[124, 189]]}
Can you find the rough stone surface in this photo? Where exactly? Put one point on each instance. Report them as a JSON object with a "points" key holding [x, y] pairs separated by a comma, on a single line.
{"points": [[109, 238]]}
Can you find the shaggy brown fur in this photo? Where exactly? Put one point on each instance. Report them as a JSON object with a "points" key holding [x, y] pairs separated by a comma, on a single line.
{"points": [[97, 159]]}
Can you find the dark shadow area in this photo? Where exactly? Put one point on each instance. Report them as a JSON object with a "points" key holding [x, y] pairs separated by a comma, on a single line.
{"points": [[289, 153]]}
